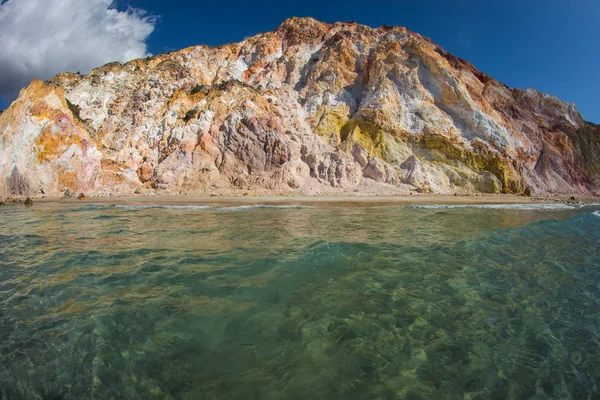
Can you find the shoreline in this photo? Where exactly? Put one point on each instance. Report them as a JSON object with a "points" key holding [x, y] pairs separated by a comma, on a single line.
{"points": [[323, 201]]}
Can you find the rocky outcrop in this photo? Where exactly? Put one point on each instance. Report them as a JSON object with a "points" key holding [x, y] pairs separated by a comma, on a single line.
{"points": [[307, 108]]}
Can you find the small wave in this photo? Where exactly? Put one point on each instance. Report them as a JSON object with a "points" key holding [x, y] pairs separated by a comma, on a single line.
{"points": [[596, 213], [522, 207], [215, 208], [139, 207]]}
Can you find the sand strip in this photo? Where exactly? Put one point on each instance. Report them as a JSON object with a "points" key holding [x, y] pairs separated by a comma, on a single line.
{"points": [[328, 201]]}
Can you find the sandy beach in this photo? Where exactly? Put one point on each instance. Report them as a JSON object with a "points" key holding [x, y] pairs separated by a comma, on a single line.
{"points": [[325, 201]]}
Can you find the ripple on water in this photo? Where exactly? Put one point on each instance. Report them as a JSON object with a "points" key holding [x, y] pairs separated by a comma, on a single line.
{"points": [[307, 303]]}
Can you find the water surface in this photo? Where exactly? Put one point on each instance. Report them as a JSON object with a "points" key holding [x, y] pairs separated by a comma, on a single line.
{"points": [[112, 302]]}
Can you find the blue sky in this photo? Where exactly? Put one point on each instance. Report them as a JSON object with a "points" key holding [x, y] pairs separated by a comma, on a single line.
{"points": [[549, 45]]}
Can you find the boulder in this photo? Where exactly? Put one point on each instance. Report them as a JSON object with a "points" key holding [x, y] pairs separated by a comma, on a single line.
{"points": [[360, 155], [379, 171], [413, 173]]}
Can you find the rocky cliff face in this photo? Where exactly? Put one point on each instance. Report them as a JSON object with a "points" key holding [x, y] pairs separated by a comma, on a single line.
{"points": [[307, 108]]}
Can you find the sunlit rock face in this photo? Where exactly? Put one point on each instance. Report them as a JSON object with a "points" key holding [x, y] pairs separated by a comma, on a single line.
{"points": [[308, 108]]}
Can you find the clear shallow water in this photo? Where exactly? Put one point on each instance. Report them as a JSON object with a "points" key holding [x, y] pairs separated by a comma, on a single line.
{"points": [[307, 303]]}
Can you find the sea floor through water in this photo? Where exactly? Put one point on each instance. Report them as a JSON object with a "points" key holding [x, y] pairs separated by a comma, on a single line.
{"points": [[134, 302]]}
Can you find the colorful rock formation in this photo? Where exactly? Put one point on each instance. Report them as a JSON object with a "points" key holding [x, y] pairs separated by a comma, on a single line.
{"points": [[308, 108]]}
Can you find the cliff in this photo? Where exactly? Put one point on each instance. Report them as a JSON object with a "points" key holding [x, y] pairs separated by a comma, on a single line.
{"points": [[308, 108]]}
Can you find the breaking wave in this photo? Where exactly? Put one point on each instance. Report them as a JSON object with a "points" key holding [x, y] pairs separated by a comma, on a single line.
{"points": [[524, 207], [215, 208]]}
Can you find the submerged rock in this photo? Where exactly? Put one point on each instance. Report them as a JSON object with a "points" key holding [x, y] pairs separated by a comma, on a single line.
{"points": [[28, 202]]}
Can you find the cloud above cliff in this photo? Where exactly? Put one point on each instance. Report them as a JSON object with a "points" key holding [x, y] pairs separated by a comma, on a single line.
{"points": [[40, 38]]}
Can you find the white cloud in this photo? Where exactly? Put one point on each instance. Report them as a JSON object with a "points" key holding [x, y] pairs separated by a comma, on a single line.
{"points": [[40, 38]]}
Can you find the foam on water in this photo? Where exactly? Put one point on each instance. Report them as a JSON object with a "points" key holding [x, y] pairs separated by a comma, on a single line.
{"points": [[215, 208], [139, 207], [523, 207], [596, 213]]}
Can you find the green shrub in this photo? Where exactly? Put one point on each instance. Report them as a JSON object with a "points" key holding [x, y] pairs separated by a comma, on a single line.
{"points": [[75, 110], [197, 89], [189, 115]]}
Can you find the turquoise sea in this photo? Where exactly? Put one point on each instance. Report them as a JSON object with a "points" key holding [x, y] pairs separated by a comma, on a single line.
{"points": [[108, 302]]}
